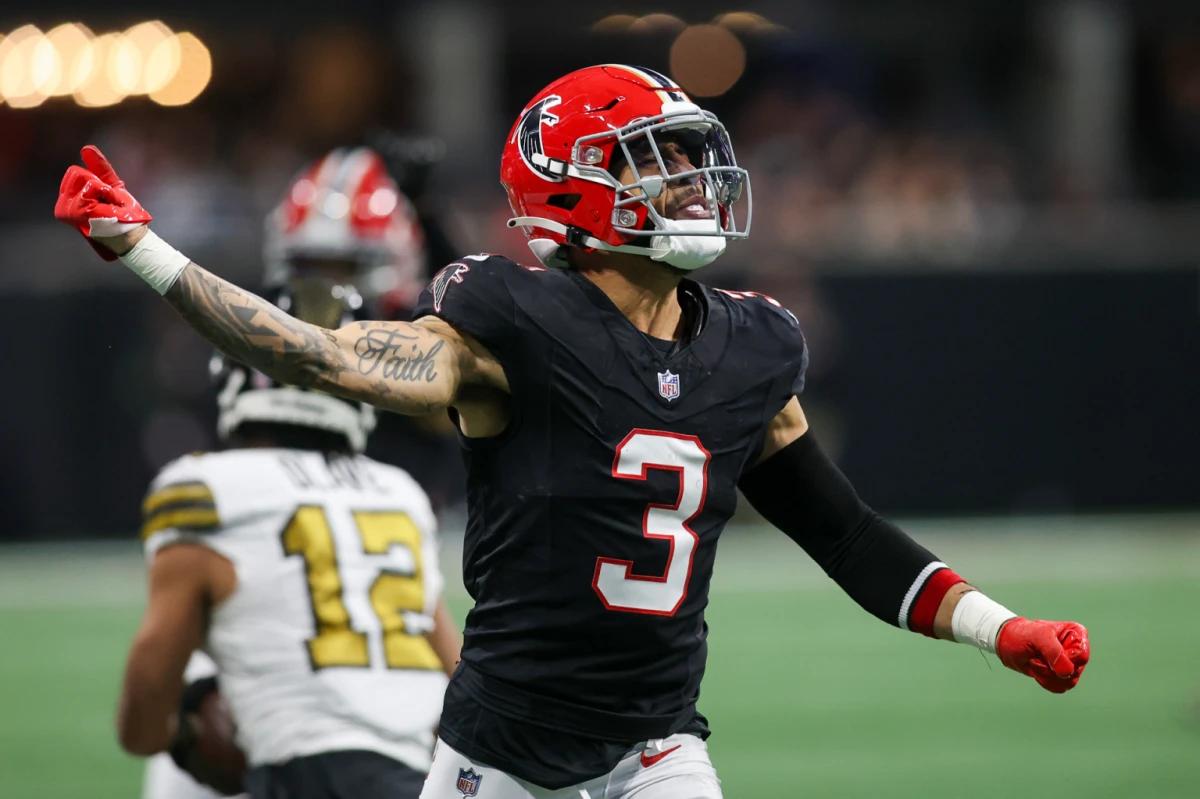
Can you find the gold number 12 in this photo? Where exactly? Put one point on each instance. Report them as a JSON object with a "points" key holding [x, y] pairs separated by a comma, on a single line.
{"points": [[337, 643]]}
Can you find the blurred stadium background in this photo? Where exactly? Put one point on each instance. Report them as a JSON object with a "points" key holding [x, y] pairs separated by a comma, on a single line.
{"points": [[986, 215]]}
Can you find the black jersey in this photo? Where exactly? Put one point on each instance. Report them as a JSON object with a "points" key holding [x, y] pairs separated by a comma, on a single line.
{"points": [[594, 516]]}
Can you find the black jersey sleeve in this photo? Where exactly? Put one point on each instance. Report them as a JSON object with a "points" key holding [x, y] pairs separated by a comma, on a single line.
{"points": [[798, 359], [777, 331], [473, 296], [793, 347]]}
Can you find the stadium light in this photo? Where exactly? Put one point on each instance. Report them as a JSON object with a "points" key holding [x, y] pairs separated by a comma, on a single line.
{"points": [[657, 23], [645, 24], [194, 73], [707, 60], [98, 90], [72, 43], [124, 65], [145, 59], [747, 22], [142, 42], [162, 64], [614, 23], [18, 52], [45, 67]]}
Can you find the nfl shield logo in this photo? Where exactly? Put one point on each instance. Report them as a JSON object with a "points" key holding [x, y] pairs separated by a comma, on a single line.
{"points": [[468, 782], [668, 385]]}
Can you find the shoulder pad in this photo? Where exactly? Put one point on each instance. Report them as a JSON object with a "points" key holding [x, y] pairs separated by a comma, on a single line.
{"points": [[485, 273], [180, 497], [768, 320], [473, 294], [755, 303]]}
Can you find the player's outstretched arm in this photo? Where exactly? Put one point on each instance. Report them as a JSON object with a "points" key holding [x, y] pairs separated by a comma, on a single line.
{"points": [[408, 368], [798, 489]]}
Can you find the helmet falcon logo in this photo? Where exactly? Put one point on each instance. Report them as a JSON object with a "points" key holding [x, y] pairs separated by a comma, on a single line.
{"points": [[529, 139]]}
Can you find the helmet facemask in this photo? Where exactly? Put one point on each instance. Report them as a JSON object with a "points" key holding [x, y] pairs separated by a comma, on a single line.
{"points": [[722, 185], [322, 292]]}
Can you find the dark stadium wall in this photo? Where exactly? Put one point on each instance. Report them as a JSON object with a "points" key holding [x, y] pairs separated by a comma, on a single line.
{"points": [[951, 393], [1013, 392]]}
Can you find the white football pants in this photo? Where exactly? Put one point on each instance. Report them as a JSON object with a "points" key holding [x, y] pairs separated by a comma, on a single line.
{"points": [[671, 768]]}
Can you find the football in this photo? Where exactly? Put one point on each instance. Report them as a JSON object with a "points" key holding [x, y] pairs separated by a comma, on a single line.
{"points": [[214, 758]]}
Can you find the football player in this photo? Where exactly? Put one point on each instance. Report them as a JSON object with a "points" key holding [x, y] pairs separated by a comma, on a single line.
{"points": [[308, 571], [610, 408]]}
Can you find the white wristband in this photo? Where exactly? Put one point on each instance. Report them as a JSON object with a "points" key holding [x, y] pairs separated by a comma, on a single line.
{"points": [[156, 262], [977, 620]]}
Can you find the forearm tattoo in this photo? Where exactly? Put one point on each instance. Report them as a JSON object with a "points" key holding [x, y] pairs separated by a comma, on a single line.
{"points": [[385, 365], [255, 332]]}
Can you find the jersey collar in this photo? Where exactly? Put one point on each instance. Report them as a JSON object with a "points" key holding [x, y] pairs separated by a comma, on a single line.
{"points": [[708, 326]]}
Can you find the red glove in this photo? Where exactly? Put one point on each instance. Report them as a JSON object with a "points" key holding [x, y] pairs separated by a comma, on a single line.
{"points": [[1052, 652], [94, 201]]}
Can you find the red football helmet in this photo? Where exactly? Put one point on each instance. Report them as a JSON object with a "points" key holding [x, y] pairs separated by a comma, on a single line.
{"points": [[345, 207], [560, 160]]}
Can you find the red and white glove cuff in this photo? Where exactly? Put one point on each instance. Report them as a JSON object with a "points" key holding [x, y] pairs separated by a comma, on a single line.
{"points": [[977, 620], [153, 260]]}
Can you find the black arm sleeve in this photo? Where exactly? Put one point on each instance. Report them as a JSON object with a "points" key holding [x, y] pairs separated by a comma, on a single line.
{"points": [[802, 492]]}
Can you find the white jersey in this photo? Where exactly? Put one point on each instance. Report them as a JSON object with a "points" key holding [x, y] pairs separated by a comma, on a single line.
{"points": [[321, 646]]}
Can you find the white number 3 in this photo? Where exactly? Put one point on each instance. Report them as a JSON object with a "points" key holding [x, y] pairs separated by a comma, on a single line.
{"points": [[660, 595]]}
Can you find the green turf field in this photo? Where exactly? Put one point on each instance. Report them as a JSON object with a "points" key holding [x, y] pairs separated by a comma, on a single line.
{"points": [[807, 695]]}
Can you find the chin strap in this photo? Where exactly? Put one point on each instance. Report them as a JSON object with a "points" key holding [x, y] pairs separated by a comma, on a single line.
{"points": [[576, 236]]}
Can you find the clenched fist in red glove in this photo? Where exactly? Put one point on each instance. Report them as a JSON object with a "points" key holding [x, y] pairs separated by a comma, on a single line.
{"points": [[1052, 652], [94, 201]]}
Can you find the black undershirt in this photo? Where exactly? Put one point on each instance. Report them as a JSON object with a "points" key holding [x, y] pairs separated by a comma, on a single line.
{"points": [[693, 321], [662, 345]]}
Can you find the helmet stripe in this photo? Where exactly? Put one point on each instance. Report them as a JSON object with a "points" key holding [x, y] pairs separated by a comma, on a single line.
{"points": [[666, 82], [656, 80], [352, 170], [641, 73], [326, 168]]}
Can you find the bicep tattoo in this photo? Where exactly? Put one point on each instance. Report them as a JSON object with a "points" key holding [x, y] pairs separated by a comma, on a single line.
{"points": [[399, 366], [395, 354], [394, 365]]}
